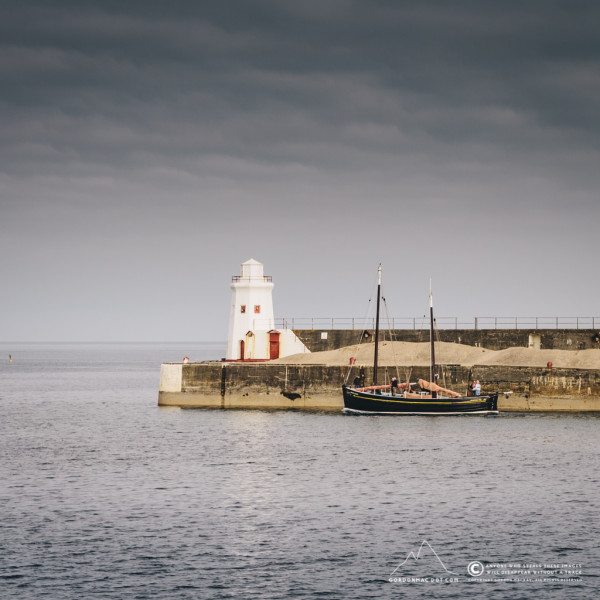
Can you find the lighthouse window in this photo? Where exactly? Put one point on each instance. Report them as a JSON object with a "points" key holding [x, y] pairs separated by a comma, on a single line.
{"points": [[257, 308], [243, 308]]}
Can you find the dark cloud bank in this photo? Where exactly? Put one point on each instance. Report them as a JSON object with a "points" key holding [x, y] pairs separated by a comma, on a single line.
{"points": [[147, 148]]}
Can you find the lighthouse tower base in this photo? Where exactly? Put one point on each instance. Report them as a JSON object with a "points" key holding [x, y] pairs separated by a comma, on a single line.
{"points": [[269, 345]]}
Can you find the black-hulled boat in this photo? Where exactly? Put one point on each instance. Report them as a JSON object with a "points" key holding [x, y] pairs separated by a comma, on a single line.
{"points": [[430, 399], [369, 403]]}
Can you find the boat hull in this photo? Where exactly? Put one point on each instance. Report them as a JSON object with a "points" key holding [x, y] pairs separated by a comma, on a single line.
{"points": [[369, 403]]}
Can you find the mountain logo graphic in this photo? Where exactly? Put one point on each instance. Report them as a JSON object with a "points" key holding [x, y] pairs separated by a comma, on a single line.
{"points": [[423, 558]]}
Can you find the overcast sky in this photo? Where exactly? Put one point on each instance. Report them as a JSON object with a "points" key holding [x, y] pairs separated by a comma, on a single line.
{"points": [[148, 148]]}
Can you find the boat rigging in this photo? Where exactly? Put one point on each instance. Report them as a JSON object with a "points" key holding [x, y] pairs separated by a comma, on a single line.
{"points": [[400, 399]]}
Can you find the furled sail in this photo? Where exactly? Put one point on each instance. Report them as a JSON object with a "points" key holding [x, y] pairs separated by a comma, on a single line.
{"points": [[434, 387]]}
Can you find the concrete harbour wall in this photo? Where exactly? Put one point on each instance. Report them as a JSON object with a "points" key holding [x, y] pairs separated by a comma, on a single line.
{"points": [[317, 340], [318, 387]]}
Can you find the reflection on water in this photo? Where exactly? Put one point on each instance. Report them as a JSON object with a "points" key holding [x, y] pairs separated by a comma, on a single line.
{"points": [[105, 495]]}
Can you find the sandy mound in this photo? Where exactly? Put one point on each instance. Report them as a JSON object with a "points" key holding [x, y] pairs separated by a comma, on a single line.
{"points": [[410, 354], [391, 354]]}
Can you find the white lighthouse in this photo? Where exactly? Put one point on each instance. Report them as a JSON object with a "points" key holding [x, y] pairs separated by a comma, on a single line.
{"points": [[252, 333]]}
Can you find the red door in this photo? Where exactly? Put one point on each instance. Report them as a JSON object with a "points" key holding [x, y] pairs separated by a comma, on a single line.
{"points": [[242, 349], [273, 345]]}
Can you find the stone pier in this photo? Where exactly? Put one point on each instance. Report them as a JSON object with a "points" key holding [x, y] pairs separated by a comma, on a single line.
{"points": [[318, 387]]}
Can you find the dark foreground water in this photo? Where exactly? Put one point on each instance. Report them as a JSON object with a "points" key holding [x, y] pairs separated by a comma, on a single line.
{"points": [[105, 495]]}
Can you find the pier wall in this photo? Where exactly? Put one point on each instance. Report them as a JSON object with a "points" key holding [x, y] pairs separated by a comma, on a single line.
{"points": [[318, 387], [317, 340]]}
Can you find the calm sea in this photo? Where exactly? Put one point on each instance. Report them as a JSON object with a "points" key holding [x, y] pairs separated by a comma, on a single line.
{"points": [[104, 495]]}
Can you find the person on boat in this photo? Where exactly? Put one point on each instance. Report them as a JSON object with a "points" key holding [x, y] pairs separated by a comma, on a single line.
{"points": [[476, 388], [394, 386], [356, 382]]}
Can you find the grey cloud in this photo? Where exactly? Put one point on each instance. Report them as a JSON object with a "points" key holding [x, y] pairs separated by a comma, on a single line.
{"points": [[326, 126]]}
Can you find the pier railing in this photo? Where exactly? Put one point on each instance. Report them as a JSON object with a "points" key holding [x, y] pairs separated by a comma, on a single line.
{"points": [[474, 323]]}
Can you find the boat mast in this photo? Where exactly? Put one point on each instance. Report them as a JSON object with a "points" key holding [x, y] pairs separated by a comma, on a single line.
{"points": [[377, 326], [431, 342]]}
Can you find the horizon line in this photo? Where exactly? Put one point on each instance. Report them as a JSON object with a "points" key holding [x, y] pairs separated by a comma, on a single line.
{"points": [[108, 342]]}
